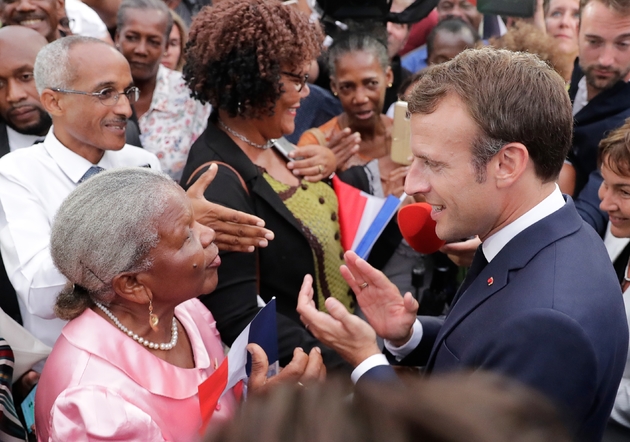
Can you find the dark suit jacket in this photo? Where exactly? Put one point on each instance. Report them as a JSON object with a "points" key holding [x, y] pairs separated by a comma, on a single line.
{"points": [[552, 317], [605, 112], [282, 265]]}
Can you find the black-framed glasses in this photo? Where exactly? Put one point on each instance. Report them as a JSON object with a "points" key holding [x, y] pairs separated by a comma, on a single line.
{"points": [[301, 79], [108, 96]]}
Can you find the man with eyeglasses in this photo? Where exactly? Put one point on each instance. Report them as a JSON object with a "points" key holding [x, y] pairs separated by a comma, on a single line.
{"points": [[86, 87]]}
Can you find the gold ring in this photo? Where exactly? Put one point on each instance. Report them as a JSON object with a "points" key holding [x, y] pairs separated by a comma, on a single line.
{"points": [[364, 285], [321, 169]]}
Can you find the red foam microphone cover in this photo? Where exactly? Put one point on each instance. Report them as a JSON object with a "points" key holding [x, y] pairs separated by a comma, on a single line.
{"points": [[418, 228]]}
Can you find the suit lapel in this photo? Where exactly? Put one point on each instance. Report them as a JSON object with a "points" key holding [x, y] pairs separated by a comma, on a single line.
{"points": [[515, 255]]}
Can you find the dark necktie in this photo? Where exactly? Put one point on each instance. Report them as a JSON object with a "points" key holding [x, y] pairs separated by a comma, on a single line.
{"points": [[91, 172], [477, 266]]}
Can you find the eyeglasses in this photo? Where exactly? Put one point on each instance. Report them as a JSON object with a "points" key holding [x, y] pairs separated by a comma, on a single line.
{"points": [[301, 79], [108, 96]]}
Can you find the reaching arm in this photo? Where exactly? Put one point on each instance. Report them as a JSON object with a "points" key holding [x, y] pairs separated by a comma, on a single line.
{"points": [[236, 231]]}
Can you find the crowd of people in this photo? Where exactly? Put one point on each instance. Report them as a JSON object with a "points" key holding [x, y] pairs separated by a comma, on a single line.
{"points": [[151, 204]]}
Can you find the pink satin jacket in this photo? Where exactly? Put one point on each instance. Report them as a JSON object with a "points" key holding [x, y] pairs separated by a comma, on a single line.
{"points": [[99, 384]]}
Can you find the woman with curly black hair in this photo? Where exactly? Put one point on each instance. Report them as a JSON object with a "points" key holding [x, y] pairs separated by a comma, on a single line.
{"points": [[249, 58]]}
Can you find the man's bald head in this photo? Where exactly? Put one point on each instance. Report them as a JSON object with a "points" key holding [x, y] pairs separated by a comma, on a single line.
{"points": [[19, 101], [22, 37]]}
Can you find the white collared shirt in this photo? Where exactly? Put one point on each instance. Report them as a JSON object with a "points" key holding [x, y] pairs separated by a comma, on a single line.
{"points": [[173, 122], [20, 141], [491, 248], [581, 97], [33, 184]]}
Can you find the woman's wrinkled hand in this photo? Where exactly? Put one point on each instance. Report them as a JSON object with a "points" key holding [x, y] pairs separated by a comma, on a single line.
{"points": [[303, 369], [315, 162]]}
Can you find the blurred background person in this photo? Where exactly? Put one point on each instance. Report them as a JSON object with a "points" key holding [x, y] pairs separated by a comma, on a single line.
{"points": [[562, 21], [487, 26], [476, 407], [360, 75], [135, 307], [449, 38], [397, 34], [248, 59], [169, 119], [526, 37], [174, 56]]}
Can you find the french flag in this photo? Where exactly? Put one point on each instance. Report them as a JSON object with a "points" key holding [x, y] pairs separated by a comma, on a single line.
{"points": [[362, 217], [237, 366]]}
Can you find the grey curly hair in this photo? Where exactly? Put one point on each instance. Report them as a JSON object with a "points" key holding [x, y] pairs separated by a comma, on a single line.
{"points": [[106, 226]]}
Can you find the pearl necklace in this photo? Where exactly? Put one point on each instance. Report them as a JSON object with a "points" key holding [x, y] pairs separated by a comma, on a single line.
{"points": [[265, 146], [140, 340]]}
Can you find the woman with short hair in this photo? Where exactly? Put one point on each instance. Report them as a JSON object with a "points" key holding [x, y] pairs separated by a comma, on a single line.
{"points": [[129, 363], [169, 119], [249, 59]]}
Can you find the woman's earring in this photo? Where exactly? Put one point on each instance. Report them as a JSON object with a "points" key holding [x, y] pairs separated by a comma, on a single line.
{"points": [[335, 94], [153, 319], [390, 84]]}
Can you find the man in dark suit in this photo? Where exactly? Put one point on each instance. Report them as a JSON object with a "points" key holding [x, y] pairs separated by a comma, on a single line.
{"points": [[541, 303]]}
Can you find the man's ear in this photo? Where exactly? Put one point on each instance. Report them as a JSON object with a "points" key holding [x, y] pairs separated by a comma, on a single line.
{"points": [[50, 102], [509, 164], [129, 285]]}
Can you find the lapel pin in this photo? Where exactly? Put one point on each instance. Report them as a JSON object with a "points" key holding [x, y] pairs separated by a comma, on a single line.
{"points": [[490, 280]]}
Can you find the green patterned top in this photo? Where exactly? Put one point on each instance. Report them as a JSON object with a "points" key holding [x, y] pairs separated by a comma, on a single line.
{"points": [[314, 206]]}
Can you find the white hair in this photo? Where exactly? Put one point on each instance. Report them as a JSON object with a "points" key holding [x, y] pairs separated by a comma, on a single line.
{"points": [[106, 226], [53, 68]]}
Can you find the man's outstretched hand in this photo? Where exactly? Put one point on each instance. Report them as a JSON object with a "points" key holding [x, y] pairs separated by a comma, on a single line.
{"points": [[347, 334], [391, 315], [236, 231]]}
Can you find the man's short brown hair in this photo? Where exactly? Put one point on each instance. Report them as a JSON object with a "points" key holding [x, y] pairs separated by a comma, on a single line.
{"points": [[621, 7], [512, 97]]}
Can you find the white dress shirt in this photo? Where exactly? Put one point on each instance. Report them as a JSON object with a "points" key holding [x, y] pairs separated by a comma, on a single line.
{"points": [[20, 141], [33, 184], [491, 248], [581, 97]]}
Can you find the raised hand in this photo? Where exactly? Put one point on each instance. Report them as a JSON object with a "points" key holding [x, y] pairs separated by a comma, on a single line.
{"points": [[391, 315], [303, 368], [344, 144], [235, 231], [344, 332], [318, 162]]}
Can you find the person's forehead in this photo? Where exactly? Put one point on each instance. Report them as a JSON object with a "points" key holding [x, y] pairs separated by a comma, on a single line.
{"points": [[600, 19], [99, 63], [15, 54]]}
